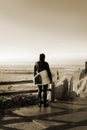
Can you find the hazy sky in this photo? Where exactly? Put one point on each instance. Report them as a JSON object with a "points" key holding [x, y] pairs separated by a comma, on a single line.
{"points": [[57, 28]]}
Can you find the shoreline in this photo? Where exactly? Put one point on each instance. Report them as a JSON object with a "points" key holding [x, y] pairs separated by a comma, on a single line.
{"points": [[15, 82]]}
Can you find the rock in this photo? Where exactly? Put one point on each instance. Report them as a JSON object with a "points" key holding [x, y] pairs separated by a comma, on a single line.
{"points": [[82, 87], [61, 88], [17, 101]]}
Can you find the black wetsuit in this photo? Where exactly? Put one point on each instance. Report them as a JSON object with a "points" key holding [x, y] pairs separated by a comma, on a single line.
{"points": [[40, 66]]}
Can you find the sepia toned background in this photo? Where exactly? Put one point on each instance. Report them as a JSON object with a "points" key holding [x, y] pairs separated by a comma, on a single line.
{"points": [[57, 28]]}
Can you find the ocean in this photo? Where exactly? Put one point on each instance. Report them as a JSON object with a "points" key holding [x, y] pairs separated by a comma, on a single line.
{"points": [[25, 72]]}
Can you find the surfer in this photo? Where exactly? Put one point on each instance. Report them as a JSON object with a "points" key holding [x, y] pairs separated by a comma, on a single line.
{"points": [[40, 66]]}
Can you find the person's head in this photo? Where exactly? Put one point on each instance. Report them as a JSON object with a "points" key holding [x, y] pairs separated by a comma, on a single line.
{"points": [[42, 57]]}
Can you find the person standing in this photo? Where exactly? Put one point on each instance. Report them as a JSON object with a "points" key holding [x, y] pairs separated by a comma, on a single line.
{"points": [[39, 66]]}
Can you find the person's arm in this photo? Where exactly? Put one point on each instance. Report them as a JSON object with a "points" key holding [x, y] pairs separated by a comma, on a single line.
{"points": [[35, 70]]}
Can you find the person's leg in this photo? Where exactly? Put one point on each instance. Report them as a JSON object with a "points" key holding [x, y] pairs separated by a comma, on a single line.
{"points": [[40, 94], [45, 87]]}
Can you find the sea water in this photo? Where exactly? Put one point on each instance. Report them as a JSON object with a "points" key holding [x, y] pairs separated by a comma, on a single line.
{"points": [[20, 72]]}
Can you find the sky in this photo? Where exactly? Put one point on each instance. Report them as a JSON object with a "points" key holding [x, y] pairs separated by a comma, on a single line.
{"points": [[57, 28]]}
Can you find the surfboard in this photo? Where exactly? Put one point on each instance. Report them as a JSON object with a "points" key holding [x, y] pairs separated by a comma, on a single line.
{"points": [[42, 78]]}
